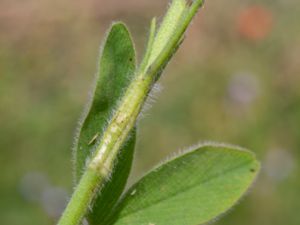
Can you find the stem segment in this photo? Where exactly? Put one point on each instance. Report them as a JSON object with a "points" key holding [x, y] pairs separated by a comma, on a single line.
{"points": [[101, 164], [81, 198]]}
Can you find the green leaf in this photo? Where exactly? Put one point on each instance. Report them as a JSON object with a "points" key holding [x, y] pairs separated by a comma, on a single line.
{"points": [[191, 189], [116, 70]]}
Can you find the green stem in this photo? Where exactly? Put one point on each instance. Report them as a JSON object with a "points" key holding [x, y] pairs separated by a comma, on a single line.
{"points": [[124, 119], [175, 39], [99, 168], [81, 198]]}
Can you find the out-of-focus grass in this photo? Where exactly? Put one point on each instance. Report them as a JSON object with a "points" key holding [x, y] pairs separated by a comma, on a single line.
{"points": [[227, 83]]}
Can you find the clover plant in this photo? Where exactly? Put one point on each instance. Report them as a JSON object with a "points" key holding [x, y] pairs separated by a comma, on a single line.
{"points": [[192, 188]]}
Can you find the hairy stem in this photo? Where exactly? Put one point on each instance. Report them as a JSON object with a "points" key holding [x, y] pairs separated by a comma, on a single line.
{"points": [[101, 164]]}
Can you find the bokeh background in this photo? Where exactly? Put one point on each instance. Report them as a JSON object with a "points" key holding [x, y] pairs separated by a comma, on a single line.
{"points": [[236, 79]]}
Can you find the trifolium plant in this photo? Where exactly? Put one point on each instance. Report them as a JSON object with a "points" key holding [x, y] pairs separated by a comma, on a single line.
{"points": [[190, 189]]}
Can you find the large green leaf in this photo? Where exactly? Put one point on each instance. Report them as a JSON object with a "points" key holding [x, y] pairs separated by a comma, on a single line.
{"points": [[116, 70], [191, 189]]}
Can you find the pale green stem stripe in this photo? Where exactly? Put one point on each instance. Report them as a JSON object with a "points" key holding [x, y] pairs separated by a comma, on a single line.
{"points": [[149, 48], [172, 44], [101, 164]]}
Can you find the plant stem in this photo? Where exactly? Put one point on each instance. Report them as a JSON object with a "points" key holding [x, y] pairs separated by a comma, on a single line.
{"points": [[99, 168], [124, 118], [81, 198]]}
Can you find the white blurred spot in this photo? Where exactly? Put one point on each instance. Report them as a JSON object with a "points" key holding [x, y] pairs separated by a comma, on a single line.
{"points": [[32, 186], [54, 200], [279, 164], [243, 89]]}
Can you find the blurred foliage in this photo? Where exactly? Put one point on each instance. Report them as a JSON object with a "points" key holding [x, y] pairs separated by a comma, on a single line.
{"points": [[236, 79]]}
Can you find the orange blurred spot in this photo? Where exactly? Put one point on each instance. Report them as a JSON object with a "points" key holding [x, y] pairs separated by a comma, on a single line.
{"points": [[254, 22]]}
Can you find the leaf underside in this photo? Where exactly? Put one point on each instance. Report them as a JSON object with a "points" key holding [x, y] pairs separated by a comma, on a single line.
{"points": [[116, 70], [191, 189]]}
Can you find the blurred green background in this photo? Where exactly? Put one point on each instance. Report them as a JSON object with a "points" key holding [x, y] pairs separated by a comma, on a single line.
{"points": [[236, 79]]}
